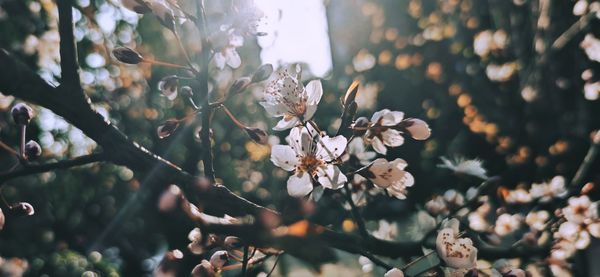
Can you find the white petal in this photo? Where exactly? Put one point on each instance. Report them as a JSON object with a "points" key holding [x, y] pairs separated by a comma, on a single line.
{"points": [[233, 58], [314, 91], [219, 60], [285, 124], [594, 229], [394, 272], [392, 138], [399, 163], [299, 185], [377, 115], [378, 146], [419, 129], [331, 177], [284, 156], [310, 111], [391, 118], [274, 109], [329, 149]]}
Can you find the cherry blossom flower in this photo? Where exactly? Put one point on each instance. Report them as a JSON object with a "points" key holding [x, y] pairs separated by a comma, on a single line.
{"points": [[464, 166], [518, 196], [507, 223], [562, 250], [310, 156], [591, 46], [581, 210], [437, 206], [536, 220], [356, 149], [457, 253], [386, 128], [225, 43], [391, 176], [195, 237], [582, 222], [286, 97], [549, 190]]}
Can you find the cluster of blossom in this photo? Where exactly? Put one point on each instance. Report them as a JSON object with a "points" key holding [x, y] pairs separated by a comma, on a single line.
{"points": [[591, 46], [542, 192], [314, 156]]}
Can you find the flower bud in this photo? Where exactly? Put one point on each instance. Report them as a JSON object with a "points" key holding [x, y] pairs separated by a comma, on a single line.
{"points": [[232, 242], [239, 85], [21, 114], [262, 73], [2, 219], [22, 208], [418, 129], [167, 128], [257, 135], [168, 86], [394, 272], [127, 55], [219, 259], [187, 92], [32, 150], [361, 122], [203, 269]]}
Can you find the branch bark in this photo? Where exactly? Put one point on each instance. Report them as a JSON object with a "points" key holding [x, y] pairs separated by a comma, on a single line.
{"points": [[34, 169]]}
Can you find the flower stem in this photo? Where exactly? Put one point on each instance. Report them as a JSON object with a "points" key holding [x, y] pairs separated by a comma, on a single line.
{"points": [[233, 118], [166, 64], [22, 138], [245, 261], [362, 229]]}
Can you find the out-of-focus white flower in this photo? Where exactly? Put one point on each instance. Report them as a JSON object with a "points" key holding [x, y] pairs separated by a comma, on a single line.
{"points": [[394, 272], [561, 269], [502, 72], [356, 148], [365, 264], [391, 176], [386, 231], [562, 250], [463, 166], [581, 210], [537, 219], [477, 219], [456, 252], [518, 196], [225, 43], [580, 7], [454, 198], [168, 86], [591, 46], [219, 259], [363, 60], [437, 206], [574, 233], [195, 237], [549, 190], [286, 97], [310, 155], [486, 42], [591, 91], [506, 224], [386, 129]]}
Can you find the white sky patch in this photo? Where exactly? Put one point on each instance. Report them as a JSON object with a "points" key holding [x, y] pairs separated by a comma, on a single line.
{"points": [[297, 32]]}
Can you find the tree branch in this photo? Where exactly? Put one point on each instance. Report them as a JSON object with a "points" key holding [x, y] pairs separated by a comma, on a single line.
{"points": [[34, 169], [68, 49]]}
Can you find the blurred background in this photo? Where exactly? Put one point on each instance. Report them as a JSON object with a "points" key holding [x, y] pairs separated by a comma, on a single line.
{"points": [[513, 83]]}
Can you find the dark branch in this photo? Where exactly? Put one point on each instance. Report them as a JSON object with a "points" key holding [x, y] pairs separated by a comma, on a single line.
{"points": [[68, 49], [35, 169]]}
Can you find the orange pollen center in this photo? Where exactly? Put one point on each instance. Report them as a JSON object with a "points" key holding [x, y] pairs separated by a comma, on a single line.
{"points": [[310, 164]]}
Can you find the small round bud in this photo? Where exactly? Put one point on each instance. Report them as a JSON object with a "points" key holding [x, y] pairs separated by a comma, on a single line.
{"points": [[32, 150], [187, 92], [127, 55], [262, 73], [239, 85], [257, 135], [219, 259], [167, 128], [361, 123], [22, 208], [21, 114]]}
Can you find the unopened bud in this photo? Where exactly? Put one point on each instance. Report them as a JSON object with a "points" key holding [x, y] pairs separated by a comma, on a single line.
{"points": [[257, 135], [127, 55], [21, 114], [32, 150], [167, 128], [219, 259], [262, 73], [187, 92], [232, 242], [360, 123], [239, 85], [168, 86], [22, 208]]}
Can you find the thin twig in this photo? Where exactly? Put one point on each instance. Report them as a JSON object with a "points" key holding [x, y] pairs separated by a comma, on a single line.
{"points": [[274, 265], [245, 261], [35, 169], [362, 229]]}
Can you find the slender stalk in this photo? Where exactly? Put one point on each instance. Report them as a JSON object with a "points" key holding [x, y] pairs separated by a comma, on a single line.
{"points": [[586, 165], [245, 261], [362, 229], [233, 118], [166, 64], [274, 265], [22, 139], [8, 149]]}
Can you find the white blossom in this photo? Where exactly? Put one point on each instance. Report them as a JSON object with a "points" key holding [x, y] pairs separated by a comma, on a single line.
{"points": [[507, 223], [458, 253], [286, 97], [356, 148], [391, 176], [591, 46], [386, 128], [310, 155], [225, 43], [537, 219], [549, 190], [464, 166], [394, 272]]}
